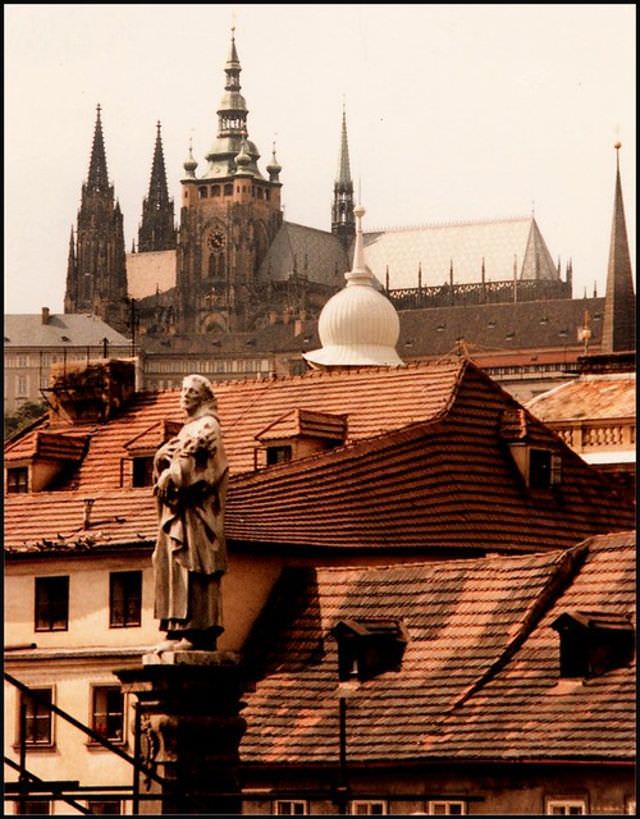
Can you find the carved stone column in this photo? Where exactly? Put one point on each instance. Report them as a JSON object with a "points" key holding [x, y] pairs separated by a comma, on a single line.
{"points": [[189, 706]]}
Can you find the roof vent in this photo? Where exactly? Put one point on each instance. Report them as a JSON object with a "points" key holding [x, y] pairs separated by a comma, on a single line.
{"points": [[368, 647], [594, 642]]}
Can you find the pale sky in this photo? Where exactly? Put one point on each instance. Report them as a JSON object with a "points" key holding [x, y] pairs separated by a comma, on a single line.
{"points": [[455, 113]]}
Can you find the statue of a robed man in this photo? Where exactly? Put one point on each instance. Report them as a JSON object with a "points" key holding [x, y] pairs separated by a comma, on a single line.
{"points": [[190, 557]]}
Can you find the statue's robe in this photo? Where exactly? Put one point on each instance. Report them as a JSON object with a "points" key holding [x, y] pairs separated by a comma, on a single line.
{"points": [[190, 554]]}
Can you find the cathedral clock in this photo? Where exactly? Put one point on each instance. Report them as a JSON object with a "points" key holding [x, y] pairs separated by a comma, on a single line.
{"points": [[216, 240]]}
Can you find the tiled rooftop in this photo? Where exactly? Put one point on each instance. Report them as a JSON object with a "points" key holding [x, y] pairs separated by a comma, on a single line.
{"points": [[433, 475], [480, 674], [590, 397], [70, 329]]}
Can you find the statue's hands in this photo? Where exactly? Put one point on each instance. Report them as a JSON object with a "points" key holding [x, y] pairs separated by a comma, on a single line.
{"points": [[163, 486]]}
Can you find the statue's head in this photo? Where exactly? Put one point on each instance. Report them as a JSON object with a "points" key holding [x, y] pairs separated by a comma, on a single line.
{"points": [[197, 393]]}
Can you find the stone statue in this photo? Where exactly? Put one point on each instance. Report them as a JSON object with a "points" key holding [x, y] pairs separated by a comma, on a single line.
{"points": [[190, 482]]}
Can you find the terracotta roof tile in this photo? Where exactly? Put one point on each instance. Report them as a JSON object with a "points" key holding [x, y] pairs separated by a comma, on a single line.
{"points": [[591, 397], [480, 673]]}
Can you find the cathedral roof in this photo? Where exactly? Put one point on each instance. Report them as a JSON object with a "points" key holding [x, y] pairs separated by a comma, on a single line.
{"points": [[316, 254], [464, 246], [150, 272]]}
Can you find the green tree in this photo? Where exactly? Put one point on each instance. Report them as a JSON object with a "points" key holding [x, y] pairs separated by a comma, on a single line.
{"points": [[26, 413]]}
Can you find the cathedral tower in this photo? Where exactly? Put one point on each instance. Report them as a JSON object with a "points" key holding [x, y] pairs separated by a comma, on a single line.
{"points": [[342, 220], [157, 230], [96, 267], [618, 330], [229, 217]]}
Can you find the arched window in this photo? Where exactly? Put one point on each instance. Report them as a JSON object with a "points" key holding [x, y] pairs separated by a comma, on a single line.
{"points": [[228, 189], [203, 192], [212, 265], [215, 190], [221, 266]]}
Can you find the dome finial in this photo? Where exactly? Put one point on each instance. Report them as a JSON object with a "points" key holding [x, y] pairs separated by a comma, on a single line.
{"points": [[190, 164]]}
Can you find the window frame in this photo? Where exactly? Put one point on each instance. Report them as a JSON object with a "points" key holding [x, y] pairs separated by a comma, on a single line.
{"points": [[431, 807], [566, 803], [47, 715], [141, 469], [278, 450], [129, 596], [278, 802], [96, 689], [355, 803], [18, 486], [39, 604]]}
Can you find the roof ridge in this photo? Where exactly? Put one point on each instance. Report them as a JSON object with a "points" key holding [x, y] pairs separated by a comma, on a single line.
{"points": [[447, 223], [568, 564]]}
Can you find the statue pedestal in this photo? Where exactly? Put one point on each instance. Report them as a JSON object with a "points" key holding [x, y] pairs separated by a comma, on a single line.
{"points": [[190, 730]]}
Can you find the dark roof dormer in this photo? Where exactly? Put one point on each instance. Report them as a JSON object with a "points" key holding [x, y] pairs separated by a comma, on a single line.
{"points": [[298, 433], [136, 466], [594, 642], [368, 647], [38, 469], [539, 466]]}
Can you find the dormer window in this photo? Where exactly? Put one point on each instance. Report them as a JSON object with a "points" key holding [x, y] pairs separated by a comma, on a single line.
{"points": [[278, 455], [17, 479], [142, 471], [545, 469], [368, 647], [592, 643]]}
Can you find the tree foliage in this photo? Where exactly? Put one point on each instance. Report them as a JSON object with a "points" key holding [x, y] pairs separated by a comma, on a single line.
{"points": [[26, 413]]}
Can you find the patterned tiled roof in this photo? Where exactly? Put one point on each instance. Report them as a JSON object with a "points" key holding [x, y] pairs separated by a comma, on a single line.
{"points": [[316, 254], [435, 247], [247, 407], [71, 329], [591, 397], [480, 673], [521, 326], [432, 475]]}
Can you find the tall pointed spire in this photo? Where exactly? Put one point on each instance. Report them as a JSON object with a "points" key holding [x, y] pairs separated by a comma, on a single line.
{"points": [[98, 178], [618, 330], [96, 267], [342, 216], [157, 231]]}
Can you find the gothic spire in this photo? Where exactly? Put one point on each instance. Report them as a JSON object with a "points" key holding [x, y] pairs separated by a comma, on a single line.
{"points": [[342, 218], [344, 170], [157, 231], [98, 179], [618, 331], [70, 293]]}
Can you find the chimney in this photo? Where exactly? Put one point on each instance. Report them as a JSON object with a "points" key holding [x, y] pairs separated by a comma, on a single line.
{"points": [[45, 315], [88, 504]]}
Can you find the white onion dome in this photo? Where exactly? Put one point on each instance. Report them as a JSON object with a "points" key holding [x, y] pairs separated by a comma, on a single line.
{"points": [[358, 327]]}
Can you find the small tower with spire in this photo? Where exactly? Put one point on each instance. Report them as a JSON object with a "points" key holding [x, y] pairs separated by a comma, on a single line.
{"points": [[157, 229], [96, 267], [342, 219], [618, 328]]}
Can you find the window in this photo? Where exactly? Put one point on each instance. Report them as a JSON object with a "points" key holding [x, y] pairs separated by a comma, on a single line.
{"points": [[37, 719], [22, 383], [52, 604], [630, 806], [34, 807], [278, 454], [108, 712], [125, 599], [447, 807], [228, 190], [368, 807], [294, 807], [18, 479], [202, 193], [566, 807], [99, 807], [143, 471], [545, 469]]}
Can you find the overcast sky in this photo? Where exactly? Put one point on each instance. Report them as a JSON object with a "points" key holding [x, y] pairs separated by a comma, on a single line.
{"points": [[455, 113]]}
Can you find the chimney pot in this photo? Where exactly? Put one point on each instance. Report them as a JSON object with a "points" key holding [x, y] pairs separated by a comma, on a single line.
{"points": [[45, 315]]}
